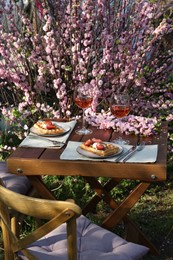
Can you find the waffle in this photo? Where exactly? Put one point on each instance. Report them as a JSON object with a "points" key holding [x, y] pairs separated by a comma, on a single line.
{"points": [[108, 149], [48, 128]]}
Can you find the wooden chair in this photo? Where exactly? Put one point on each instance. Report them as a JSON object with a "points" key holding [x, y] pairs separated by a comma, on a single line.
{"points": [[59, 237]]}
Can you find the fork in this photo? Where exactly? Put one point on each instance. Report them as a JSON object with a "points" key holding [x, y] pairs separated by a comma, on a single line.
{"points": [[129, 151], [140, 147], [54, 142], [50, 140]]}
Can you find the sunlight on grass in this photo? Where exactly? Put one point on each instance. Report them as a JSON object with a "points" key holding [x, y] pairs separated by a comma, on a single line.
{"points": [[154, 215]]}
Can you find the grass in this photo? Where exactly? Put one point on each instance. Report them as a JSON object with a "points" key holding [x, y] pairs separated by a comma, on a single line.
{"points": [[154, 214]]}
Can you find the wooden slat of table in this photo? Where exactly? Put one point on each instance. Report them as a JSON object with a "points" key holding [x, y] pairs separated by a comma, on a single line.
{"points": [[27, 153]]}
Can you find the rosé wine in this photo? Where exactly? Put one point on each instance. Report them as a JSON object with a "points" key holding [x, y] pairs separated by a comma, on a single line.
{"points": [[120, 111], [83, 102]]}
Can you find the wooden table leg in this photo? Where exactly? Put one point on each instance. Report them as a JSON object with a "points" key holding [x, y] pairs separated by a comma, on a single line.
{"points": [[117, 215], [135, 235], [120, 211], [41, 188], [102, 193]]}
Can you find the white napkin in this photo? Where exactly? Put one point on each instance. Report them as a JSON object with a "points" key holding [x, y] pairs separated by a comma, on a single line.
{"points": [[147, 155], [33, 140]]}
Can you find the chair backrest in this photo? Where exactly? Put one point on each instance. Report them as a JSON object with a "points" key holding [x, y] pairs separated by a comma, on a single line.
{"points": [[57, 212]]}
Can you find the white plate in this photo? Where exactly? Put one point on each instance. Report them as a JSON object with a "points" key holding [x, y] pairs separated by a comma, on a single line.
{"points": [[95, 156], [65, 129]]}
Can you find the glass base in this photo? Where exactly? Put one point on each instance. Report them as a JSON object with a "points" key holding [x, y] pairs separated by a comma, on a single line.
{"points": [[120, 141], [83, 131]]}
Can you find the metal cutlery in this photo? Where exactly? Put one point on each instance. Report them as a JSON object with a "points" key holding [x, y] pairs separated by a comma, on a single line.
{"points": [[54, 142], [119, 158], [137, 149], [49, 146]]}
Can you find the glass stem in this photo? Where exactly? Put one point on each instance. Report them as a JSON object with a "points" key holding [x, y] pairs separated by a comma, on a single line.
{"points": [[120, 124], [83, 120]]}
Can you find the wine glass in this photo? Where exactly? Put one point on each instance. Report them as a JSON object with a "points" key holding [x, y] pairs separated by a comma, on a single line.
{"points": [[83, 97], [120, 107]]}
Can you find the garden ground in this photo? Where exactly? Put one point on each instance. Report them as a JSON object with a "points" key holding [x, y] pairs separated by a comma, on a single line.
{"points": [[155, 215]]}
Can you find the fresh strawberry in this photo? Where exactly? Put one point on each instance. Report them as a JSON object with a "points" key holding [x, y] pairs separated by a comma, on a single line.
{"points": [[50, 125], [88, 142], [100, 146], [96, 140]]}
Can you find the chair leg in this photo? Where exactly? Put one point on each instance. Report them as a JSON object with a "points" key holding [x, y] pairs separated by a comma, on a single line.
{"points": [[71, 239], [15, 226], [8, 254]]}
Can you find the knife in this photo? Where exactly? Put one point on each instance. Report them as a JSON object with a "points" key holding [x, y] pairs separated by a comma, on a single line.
{"points": [[118, 159], [137, 149], [43, 147]]}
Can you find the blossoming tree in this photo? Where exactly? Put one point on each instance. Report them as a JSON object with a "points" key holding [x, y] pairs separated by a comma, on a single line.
{"points": [[47, 50]]}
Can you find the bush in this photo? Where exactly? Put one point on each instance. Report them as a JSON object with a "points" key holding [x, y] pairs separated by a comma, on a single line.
{"points": [[49, 47]]}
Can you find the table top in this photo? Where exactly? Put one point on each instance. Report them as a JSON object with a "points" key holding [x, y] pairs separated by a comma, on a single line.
{"points": [[41, 161]]}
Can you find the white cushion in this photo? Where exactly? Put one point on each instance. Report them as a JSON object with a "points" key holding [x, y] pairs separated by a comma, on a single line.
{"points": [[93, 243]]}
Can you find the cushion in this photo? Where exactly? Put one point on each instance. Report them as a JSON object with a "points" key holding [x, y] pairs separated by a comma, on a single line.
{"points": [[19, 184], [93, 243]]}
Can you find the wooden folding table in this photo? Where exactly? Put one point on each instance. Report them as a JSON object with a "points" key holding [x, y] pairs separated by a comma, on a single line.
{"points": [[35, 162]]}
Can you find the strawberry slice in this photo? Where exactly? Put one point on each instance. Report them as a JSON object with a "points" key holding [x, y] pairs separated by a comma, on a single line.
{"points": [[50, 125], [100, 146], [95, 140], [88, 142]]}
